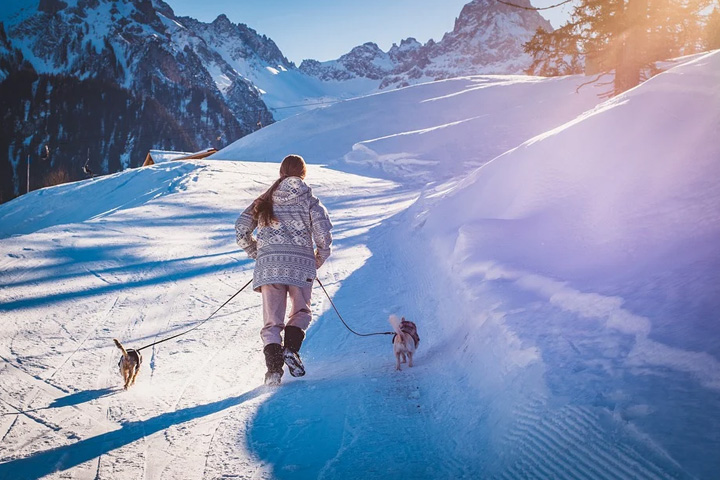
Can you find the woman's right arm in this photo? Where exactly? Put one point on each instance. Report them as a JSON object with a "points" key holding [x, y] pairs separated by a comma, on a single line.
{"points": [[245, 225]]}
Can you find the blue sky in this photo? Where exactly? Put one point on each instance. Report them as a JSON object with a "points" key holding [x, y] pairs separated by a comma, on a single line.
{"points": [[326, 29]]}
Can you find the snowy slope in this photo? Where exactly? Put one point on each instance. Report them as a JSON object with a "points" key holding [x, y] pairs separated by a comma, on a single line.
{"points": [[596, 244], [564, 294], [427, 132], [288, 92]]}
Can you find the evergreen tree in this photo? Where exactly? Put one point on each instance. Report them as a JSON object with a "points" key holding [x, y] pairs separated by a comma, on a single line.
{"points": [[624, 36], [712, 30], [554, 53]]}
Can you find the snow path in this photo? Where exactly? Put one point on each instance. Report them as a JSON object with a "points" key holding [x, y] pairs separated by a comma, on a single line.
{"points": [[478, 403], [154, 265]]}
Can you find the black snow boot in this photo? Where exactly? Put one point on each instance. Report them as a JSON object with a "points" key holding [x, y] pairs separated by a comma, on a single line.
{"points": [[274, 361], [294, 337]]}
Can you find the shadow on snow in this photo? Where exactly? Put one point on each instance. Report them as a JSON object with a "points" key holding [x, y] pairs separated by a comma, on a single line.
{"points": [[62, 458]]}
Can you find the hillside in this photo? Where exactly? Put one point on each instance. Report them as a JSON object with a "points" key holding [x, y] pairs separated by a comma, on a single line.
{"points": [[423, 133], [565, 292]]}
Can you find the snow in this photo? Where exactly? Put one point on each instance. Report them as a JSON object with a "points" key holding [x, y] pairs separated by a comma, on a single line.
{"points": [[561, 266], [161, 156], [432, 131], [290, 92], [222, 81], [173, 25]]}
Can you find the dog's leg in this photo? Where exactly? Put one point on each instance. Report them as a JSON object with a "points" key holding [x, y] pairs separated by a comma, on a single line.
{"points": [[410, 354], [135, 372], [397, 361], [126, 374]]}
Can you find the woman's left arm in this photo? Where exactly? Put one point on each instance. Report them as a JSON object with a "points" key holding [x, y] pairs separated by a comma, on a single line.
{"points": [[321, 227]]}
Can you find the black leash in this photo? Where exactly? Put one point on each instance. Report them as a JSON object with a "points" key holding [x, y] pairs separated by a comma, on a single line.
{"points": [[343, 321], [199, 324]]}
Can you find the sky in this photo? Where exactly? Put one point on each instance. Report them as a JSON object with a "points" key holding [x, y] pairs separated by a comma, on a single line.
{"points": [[326, 29]]}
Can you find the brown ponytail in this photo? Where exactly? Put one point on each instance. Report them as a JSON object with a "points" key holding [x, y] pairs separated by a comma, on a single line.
{"points": [[291, 166]]}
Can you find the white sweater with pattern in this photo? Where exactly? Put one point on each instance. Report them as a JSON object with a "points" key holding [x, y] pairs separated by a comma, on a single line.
{"points": [[284, 250]]}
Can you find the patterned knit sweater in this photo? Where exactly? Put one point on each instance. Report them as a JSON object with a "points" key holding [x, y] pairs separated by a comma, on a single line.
{"points": [[284, 250]]}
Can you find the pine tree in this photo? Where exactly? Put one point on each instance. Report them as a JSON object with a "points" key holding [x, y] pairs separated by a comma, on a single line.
{"points": [[624, 36], [712, 30], [554, 53]]}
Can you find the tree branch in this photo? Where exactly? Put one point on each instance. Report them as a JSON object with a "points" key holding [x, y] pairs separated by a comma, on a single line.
{"points": [[535, 8], [577, 90]]}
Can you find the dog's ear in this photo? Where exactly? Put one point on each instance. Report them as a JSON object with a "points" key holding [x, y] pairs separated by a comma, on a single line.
{"points": [[403, 319]]}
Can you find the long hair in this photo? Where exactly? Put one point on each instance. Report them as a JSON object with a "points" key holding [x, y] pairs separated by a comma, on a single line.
{"points": [[291, 166]]}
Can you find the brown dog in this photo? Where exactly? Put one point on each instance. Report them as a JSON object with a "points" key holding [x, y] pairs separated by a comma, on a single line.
{"points": [[405, 340], [129, 364]]}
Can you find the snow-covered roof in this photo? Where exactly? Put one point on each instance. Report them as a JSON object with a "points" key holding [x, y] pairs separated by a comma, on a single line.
{"points": [[159, 156], [199, 154]]}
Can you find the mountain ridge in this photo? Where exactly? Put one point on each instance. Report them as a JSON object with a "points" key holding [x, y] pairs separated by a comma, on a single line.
{"points": [[487, 38]]}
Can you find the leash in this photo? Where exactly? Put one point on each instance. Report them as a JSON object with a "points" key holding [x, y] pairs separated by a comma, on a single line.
{"points": [[343, 321], [199, 324]]}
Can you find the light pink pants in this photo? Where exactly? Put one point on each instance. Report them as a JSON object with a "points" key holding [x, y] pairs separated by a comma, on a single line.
{"points": [[274, 298]]}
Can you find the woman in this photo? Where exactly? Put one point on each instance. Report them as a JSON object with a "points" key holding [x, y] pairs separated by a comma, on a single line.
{"points": [[288, 218]]}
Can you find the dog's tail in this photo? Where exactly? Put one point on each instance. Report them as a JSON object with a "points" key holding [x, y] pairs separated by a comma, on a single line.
{"points": [[395, 322], [119, 345]]}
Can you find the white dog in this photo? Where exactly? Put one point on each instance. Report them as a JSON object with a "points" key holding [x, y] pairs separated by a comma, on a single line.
{"points": [[405, 341]]}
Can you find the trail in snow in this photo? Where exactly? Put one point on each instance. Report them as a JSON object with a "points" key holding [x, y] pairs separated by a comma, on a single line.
{"points": [[138, 273]]}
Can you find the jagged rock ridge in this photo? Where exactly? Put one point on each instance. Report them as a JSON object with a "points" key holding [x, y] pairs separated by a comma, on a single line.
{"points": [[487, 39]]}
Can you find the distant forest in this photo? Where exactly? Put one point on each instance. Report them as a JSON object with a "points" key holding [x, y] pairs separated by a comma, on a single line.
{"points": [[92, 119]]}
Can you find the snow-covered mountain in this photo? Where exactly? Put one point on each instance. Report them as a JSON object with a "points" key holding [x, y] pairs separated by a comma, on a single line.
{"points": [[136, 75], [142, 46], [488, 38]]}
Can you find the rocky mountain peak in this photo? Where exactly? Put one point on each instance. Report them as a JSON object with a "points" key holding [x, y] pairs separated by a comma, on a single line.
{"points": [[366, 60], [482, 14], [487, 38], [410, 53], [367, 52], [407, 44], [222, 22], [51, 7], [173, 87]]}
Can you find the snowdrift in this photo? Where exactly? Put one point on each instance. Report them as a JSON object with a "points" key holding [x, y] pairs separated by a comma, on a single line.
{"points": [[624, 186], [598, 243], [89, 200]]}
